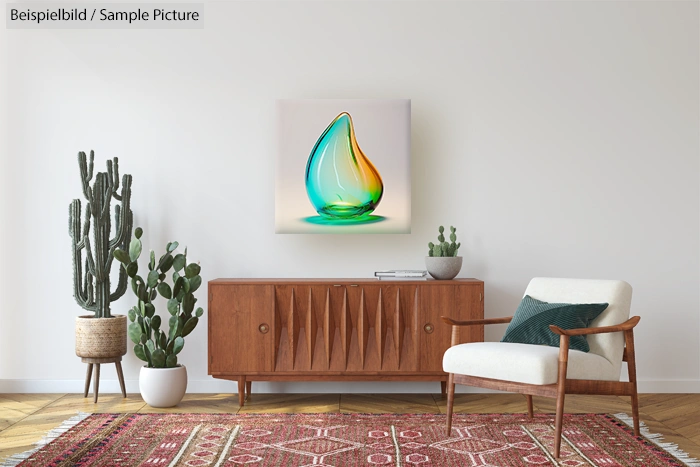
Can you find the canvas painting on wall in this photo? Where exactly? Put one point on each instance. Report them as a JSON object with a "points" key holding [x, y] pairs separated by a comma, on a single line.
{"points": [[343, 166]]}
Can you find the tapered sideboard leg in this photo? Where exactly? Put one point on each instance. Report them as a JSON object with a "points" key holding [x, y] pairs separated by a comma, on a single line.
{"points": [[241, 390], [530, 407], [248, 389]]}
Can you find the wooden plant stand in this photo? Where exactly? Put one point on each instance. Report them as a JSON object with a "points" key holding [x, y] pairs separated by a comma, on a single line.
{"points": [[96, 362]]}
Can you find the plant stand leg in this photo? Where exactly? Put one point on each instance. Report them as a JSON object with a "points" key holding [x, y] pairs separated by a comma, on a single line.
{"points": [[530, 409], [96, 388], [94, 363], [120, 374], [88, 377]]}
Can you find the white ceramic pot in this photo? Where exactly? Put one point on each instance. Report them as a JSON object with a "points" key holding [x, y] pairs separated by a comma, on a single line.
{"points": [[163, 387], [443, 267]]}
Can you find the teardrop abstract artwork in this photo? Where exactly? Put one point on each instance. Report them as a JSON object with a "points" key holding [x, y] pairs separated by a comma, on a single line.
{"points": [[343, 166], [341, 182]]}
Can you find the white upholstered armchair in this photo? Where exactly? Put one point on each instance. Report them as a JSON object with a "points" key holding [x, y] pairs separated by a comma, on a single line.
{"points": [[549, 371]]}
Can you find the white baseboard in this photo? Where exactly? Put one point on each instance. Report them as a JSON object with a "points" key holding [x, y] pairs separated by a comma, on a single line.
{"points": [[216, 386], [681, 386]]}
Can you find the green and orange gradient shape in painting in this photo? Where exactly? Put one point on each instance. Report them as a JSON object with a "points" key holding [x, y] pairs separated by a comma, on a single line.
{"points": [[342, 183]]}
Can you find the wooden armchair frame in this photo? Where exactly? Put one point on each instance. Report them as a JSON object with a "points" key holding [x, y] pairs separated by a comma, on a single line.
{"points": [[563, 385]]}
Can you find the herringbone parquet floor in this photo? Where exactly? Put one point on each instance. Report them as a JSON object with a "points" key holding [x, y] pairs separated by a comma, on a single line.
{"points": [[25, 418]]}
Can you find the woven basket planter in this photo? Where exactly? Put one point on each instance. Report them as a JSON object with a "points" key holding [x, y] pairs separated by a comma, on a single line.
{"points": [[100, 337]]}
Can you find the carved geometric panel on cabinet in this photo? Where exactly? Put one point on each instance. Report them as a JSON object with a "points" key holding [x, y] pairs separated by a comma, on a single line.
{"points": [[383, 328], [349, 328], [301, 316]]}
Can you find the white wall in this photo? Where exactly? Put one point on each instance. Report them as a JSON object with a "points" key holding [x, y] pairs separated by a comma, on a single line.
{"points": [[561, 138]]}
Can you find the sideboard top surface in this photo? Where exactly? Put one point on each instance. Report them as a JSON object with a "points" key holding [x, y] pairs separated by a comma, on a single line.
{"points": [[364, 281]]}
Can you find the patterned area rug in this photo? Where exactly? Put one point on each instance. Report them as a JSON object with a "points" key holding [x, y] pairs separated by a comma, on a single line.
{"points": [[347, 440]]}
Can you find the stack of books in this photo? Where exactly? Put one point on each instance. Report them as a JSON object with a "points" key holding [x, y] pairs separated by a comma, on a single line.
{"points": [[402, 274]]}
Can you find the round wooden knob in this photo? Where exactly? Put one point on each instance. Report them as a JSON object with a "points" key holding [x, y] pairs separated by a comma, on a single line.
{"points": [[263, 328], [428, 328]]}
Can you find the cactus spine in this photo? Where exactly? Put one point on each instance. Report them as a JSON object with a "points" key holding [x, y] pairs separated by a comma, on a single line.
{"points": [[443, 248], [91, 286]]}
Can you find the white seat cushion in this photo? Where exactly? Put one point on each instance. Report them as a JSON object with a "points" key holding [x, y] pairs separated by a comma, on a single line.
{"points": [[524, 363]]}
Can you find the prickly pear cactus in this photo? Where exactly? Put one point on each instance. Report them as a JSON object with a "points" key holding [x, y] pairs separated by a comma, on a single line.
{"points": [[443, 248], [153, 344]]}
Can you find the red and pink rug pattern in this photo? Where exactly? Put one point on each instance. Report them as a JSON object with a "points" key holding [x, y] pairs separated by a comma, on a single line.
{"points": [[346, 440]]}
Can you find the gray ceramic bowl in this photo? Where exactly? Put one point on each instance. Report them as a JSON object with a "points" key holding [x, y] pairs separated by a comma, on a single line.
{"points": [[443, 268]]}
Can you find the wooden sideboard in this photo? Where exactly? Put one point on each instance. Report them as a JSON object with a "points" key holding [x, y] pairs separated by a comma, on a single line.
{"points": [[336, 329]]}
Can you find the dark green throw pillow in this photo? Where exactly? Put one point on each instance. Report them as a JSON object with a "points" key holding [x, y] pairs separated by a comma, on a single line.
{"points": [[530, 324]]}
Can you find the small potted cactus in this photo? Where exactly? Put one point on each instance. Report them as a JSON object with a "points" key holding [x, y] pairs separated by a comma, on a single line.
{"points": [[162, 381], [442, 261]]}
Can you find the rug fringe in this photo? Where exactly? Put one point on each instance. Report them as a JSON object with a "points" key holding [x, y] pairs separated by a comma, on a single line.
{"points": [[16, 459], [657, 438]]}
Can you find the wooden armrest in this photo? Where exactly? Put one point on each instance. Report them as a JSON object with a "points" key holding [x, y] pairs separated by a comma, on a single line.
{"points": [[477, 322], [626, 326]]}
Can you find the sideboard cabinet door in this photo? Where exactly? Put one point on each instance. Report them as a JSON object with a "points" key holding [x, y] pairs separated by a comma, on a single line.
{"points": [[470, 305], [461, 302], [241, 328], [435, 301]]}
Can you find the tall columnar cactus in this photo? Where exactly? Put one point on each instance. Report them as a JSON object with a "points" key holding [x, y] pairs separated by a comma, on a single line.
{"points": [[91, 286], [443, 248]]}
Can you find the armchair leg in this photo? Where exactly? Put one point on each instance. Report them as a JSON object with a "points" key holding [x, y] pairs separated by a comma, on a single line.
{"points": [[559, 420], [450, 402], [635, 412], [561, 392], [632, 372], [530, 411]]}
